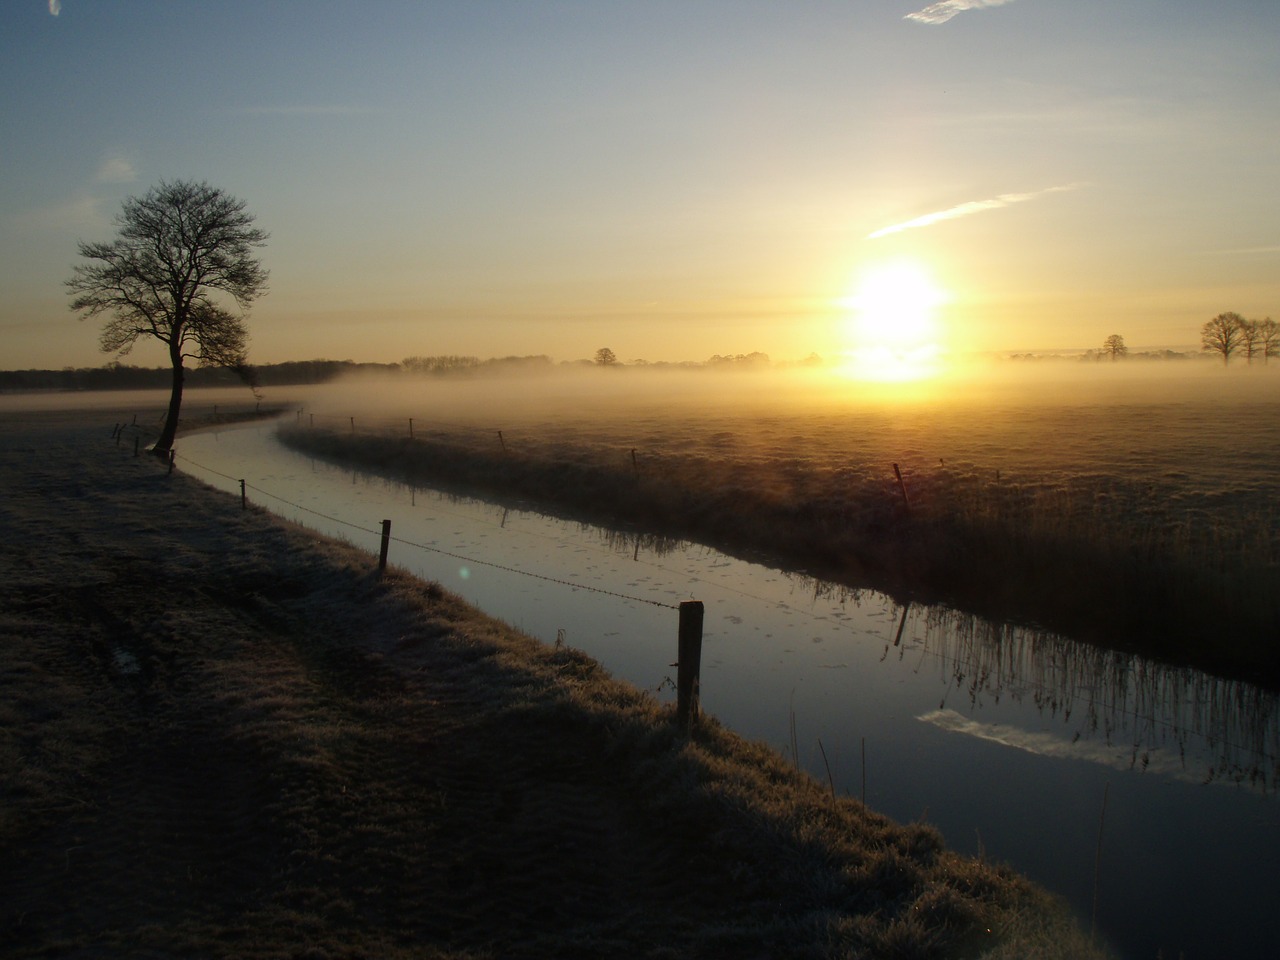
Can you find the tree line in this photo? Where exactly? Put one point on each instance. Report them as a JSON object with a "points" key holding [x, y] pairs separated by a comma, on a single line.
{"points": [[118, 376], [1229, 334]]}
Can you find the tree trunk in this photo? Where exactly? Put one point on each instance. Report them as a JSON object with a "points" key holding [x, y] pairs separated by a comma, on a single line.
{"points": [[161, 449]]}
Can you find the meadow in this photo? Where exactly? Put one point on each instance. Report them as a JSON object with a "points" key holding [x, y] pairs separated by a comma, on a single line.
{"points": [[1130, 504]]}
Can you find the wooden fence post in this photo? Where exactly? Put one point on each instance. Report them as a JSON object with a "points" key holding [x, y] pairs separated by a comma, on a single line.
{"points": [[411, 428], [244, 497], [386, 544], [689, 665]]}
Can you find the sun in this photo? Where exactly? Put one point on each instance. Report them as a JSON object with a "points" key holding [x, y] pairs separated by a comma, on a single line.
{"points": [[891, 324]]}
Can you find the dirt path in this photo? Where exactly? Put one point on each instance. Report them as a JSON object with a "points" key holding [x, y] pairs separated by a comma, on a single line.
{"points": [[221, 736]]}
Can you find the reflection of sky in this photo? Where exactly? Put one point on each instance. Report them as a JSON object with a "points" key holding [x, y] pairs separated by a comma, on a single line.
{"points": [[850, 674], [1151, 760]]}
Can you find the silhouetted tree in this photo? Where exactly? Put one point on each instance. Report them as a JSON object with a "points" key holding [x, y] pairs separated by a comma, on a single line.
{"points": [[606, 357], [177, 248], [1268, 338], [1250, 339], [1223, 334], [739, 361], [1114, 347], [440, 365]]}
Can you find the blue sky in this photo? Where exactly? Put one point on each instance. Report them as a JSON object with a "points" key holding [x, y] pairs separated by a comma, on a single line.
{"points": [[670, 179]]}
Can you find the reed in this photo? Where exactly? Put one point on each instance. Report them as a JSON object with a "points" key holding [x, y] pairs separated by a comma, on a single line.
{"points": [[830, 779], [1097, 865]]}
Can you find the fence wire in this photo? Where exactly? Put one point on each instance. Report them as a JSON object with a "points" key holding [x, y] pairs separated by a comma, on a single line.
{"points": [[427, 547]]}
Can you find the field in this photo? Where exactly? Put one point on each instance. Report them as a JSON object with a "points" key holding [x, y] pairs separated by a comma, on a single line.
{"points": [[1131, 505], [223, 736]]}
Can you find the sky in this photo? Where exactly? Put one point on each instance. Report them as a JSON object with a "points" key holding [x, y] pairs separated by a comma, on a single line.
{"points": [[671, 180]]}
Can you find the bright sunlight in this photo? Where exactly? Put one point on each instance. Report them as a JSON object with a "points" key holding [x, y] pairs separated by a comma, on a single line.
{"points": [[892, 329]]}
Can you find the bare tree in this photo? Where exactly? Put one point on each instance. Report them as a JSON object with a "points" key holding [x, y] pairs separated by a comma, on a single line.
{"points": [[1114, 347], [1249, 339], [1223, 334], [440, 365], [177, 248], [606, 357], [1268, 338]]}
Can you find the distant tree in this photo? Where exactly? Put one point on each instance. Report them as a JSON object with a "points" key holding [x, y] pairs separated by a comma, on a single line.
{"points": [[606, 357], [1114, 347], [1223, 335], [1268, 338], [532, 364], [440, 365], [739, 361], [1250, 339], [178, 248]]}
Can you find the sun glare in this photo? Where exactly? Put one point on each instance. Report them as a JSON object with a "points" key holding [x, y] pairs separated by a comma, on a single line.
{"points": [[892, 324]]}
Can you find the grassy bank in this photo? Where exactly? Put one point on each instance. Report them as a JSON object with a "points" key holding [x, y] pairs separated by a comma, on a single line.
{"points": [[1155, 560], [224, 736]]}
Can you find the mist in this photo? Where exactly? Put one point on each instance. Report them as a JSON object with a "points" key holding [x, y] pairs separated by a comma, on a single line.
{"points": [[595, 393]]}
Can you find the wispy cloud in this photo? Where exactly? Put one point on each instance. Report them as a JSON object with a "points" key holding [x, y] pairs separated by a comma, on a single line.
{"points": [[946, 9], [55, 7], [966, 209], [116, 170]]}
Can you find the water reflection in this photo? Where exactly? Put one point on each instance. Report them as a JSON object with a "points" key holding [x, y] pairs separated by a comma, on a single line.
{"points": [[635, 542], [1167, 719], [1110, 707]]}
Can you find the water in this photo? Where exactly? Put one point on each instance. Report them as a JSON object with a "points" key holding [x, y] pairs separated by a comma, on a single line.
{"points": [[1007, 741]]}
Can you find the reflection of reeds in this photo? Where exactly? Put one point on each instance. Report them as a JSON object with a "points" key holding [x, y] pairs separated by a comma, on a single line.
{"points": [[1219, 728], [1229, 728], [636, 542], [1159, 563]]}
